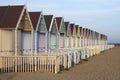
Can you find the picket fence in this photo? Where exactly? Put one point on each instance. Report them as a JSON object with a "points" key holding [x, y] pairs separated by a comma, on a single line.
{"points": [[29, 63]]}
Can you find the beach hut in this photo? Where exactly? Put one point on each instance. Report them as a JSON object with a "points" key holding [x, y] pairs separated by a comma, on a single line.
{"points": [[84, 42], [84, 37], [16, 30], [77, 36], [40, 32], [93, 41], [81, 37], [73, 32], [104, 41], [93, 38], [61, 31], [52, 38], [68, 35], [89, 37]]}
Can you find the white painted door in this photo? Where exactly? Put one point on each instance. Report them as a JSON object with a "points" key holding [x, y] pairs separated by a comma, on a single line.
{"points": [[25, 45], [41, 42]]}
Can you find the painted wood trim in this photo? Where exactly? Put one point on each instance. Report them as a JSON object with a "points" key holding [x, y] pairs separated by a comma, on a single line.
{"points": [[31, 42], [16, 46], [35, 42], [19, 20]]}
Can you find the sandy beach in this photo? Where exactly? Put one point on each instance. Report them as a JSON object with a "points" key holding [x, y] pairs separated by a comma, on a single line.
{"points": [[104, 66]]}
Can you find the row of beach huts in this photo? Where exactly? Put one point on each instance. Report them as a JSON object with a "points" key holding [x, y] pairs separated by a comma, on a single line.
{"points": [[31, 41]]}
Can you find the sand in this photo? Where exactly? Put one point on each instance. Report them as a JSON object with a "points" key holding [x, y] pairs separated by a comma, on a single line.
{"points": [[105, 66]]}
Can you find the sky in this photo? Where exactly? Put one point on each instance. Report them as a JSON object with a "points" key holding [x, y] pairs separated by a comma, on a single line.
{"points": [[102, 16]]}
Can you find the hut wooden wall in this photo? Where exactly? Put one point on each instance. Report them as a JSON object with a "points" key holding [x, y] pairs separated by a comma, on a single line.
{"points": [[6, 41], [53, 36]]}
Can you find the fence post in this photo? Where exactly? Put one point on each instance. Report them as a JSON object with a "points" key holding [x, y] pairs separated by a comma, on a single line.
{"points": [[35, 63], [57, 63], [65, 61]]}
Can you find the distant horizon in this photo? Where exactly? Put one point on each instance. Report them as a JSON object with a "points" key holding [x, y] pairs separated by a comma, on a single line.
{"points": [[102, 16]]}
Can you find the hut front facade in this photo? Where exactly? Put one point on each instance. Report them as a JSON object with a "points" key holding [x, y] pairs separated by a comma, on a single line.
{"points": [[73, 38], [52, 41], [84, 37], [16, 30], [61, 31], [68, 35], [81, 37], [40, 32], [77, 36]]}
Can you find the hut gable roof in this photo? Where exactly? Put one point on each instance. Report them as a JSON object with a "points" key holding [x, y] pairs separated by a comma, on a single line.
{"points": [[34, 16], [59, 21], [61, 25], [48, 21], [9, 16]]}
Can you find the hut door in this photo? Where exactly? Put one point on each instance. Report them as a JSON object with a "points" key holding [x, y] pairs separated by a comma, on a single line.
{"points": [[41, 42], [53, 41], [26, 42], [61, 42], [69, 42]]}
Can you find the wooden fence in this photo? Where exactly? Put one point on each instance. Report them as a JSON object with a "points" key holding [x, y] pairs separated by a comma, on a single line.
{"points": [[29, 63]]}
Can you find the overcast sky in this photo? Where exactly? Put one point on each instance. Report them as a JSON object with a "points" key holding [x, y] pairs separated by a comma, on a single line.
{"points": [[99, 15]]}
